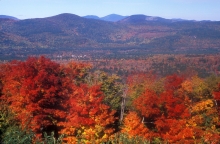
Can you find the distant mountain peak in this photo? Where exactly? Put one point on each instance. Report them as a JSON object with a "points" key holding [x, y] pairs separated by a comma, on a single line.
{"points": [[143, 19], [91, 17], [111, 17], [66, 15]]}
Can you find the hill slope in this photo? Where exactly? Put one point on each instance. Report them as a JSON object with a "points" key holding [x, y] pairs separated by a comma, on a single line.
{"points": [[8, 17]]}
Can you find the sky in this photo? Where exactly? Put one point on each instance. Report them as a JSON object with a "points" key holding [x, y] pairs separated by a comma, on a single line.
{"points": [[185, 9]]}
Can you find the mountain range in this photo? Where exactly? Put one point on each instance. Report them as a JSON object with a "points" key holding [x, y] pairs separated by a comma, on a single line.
{"points": [[113, 31], [111, 17]]}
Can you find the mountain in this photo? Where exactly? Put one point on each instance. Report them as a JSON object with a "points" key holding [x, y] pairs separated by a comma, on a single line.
{"points": [[139, 31], [143, 19], [92, 17], [177, 19], [64, 30], [8, 17], [110, 18], [113, 17]]}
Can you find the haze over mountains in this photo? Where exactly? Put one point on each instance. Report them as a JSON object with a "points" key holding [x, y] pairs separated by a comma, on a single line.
{"points": [[113, 31], [111, 17]]}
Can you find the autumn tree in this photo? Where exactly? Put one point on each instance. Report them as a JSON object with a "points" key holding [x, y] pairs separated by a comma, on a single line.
{"points": [[89, 120], [148, 106], [133, 126], [216, 95], [173, 82], [37, 91], [137, 84]]}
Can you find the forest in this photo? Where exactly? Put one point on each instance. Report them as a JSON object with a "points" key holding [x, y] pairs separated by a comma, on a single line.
{"points": [[154, 99]]}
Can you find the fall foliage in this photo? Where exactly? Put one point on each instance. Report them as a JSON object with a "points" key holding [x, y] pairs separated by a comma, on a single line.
{"points": [[44, 96], [173, 116], [43, 93], [88, 116]]}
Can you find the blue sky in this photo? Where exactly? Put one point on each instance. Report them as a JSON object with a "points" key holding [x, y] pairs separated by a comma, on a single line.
{"points": [[185, 9]]}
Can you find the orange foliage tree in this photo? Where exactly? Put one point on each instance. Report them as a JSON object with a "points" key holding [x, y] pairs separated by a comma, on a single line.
{"points": [[89, 120], [133, 126]]}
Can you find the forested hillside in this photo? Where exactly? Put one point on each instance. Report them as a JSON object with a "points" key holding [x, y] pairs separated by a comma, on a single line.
{"points": [[49, 102], [137, 31]]}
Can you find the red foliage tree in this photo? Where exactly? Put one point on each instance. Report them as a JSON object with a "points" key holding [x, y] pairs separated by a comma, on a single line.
{"points": [[148, 104], [167, 112], [37, 91], [217, 93], [173, 82], [216, 96], [175, 105]]}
